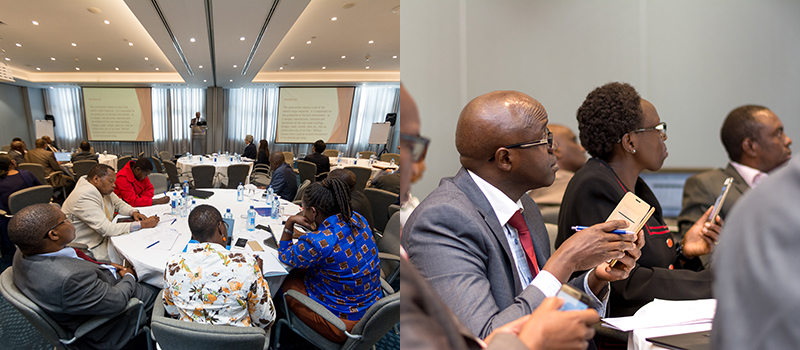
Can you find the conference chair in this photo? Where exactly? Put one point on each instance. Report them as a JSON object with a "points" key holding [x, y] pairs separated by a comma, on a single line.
{"points": [[387, 157], [365, 154], [377, 321], [308, 170], [173, 334], [36, 169], [5, 148], [28, 196], [298, 197], [165, 156], [380, 200], [389, 249], [159, 181], [393, 209], [237, 173], [54, 333], [122, 161], [289, 158], [156, 164], [330, 153], [172, 172], [204, 176], [82, 167], [550, 213], [141, 155], [362, 176]]}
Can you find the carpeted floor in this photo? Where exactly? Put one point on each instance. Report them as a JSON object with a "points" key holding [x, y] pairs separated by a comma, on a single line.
{"points": [[17, 334]]}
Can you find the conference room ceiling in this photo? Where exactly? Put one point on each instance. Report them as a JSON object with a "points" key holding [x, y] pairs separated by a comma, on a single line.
{"points": [[200, 42]]}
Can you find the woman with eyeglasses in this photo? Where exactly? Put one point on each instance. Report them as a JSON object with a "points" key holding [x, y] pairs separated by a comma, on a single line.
{"points": [[624, 135]]}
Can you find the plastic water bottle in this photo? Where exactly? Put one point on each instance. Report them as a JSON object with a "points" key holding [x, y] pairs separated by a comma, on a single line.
{"points": [[251, 219], [339, 161], [194, 205], [228, 215], [186, 187], [270, 192], [105, 152], [184, 205], [240, 192], [173, 203], [276, 208], [201, 159], [392, 162]]}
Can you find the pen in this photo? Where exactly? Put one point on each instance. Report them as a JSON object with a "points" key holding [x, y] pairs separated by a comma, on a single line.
{"points": [[173, 221], [154, 243], [620, 232]]}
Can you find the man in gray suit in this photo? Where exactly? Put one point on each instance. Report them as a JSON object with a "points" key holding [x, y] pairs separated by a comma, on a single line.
{"points": [[70, 286], [488, 260], [84, 154], [754, 139]]}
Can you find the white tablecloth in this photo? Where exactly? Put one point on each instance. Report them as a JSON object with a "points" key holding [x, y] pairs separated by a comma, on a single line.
{"points": [[364, 163], [151, 263], [221, 166], [108, 159]]}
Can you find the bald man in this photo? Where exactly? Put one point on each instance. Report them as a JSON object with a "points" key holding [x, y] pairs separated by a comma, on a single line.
{"points": [[17, 152], [480, 240], [570, 157]]}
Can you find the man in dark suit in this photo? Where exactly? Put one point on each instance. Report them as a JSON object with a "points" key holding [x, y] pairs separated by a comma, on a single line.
{"points": [[68, 285], [284, 181], [45, 158], [389, 181], [756, 145], [17, 152], [250, 149], [50, 145], [323, 162], [491, 234], [85, 153]]}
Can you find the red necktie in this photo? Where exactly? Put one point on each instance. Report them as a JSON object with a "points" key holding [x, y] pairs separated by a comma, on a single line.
{"points": [[83, 256], [518, 222]]}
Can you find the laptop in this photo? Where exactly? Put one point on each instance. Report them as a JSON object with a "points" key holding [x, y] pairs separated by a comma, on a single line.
{"points": [[62, 156], [687, 341]]}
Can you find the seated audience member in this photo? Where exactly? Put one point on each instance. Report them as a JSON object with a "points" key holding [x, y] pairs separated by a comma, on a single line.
{"points": [[284, 181], [134, 187], [212, 285], [250, 148], [427, 321], [388, 181], [92, 206], [263, 153], [17, 152], [68, 285], [340, 255], [323, 162], [84, 154], [45, 158], [11, 180], [756, 145], [625, 136], [571, 156], [480, 240], [755, 270], [50, 145], [358, 201]]}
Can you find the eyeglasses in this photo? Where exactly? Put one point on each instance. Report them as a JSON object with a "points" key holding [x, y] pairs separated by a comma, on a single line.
{"points": [[662, 128], [68, 219], [418, 146], [548, 139]]}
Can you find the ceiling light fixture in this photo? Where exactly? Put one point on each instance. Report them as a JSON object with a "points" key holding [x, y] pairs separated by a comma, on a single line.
{"points": [[156, 68], [241, 39], [191, 39], [323, 67], [234, 66], [281, 68], [106, 22], [37, 68], [371, 41], [334, 18], [99, 59], [130, 44], [8, 59], [51, 87], [35, 23], [291, 58], [18, 44], [52, 58], [308, 42], [205, 80], [146, 59], [116, 68], [76, 68], [74, 44], [367, 67], [201, 67], [231, 80], [343, 56]]}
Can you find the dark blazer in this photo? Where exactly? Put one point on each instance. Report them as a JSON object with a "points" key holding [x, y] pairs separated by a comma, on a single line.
{"points": [[388, 182], [17, 156], [263, 158], [323, 162], [456, 241], [591, 196], [250, 151], [83, 156], [72, 291], [701, 191], [284, 182], [360, 204]]}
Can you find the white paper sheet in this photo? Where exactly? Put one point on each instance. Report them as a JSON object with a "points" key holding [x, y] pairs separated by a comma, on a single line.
{"points": [[662, 313], [156, 238]]}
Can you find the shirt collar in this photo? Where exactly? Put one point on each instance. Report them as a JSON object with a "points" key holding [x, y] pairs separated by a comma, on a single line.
{"points": [[503, 206], [67, 252], [748, 174]]}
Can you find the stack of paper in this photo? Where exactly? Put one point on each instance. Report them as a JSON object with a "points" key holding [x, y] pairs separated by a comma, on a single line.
{"points": [[665, 313]]}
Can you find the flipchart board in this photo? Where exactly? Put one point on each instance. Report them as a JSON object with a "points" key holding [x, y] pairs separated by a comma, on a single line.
{"points": [[379, 134], [44, 127]]}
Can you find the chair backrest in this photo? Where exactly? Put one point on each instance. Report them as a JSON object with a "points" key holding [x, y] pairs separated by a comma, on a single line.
{"points": [[308, 170], [387, 157], [5, 148], [32, 312], [362, 176], [378, 319], [204, 176], [122, 161], [159, 182], [82, 167], [176, 334], [380, 200], [36, 169], [237, 173], [28, 196], [156, 164], [393, 209], [165, 156], [330, 153], [288, 157], [301, 189], [365, 154], [141, 155], [172, 171], [390, 243], [552, 233]]}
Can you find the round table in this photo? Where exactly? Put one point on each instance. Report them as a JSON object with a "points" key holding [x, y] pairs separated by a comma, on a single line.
{"points": [[108, 159], [150, 263], [221, 165], [376, 167]]}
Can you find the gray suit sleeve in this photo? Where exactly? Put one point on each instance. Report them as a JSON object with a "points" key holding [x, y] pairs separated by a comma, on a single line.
{"points": [[698, 196], [85, 293]]}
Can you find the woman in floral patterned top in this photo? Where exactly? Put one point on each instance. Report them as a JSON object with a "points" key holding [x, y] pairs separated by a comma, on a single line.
{"points": [[341, 258], [213, 285]]}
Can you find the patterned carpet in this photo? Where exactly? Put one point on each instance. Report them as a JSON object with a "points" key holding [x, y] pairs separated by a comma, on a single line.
{"points": [[17, 334]]}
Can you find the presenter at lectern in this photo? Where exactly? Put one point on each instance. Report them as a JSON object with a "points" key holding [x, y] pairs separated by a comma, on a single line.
{"points": [[198, 135]]}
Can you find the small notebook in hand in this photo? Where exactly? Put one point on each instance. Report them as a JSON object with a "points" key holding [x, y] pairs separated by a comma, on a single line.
{"points": [[634, 211]]}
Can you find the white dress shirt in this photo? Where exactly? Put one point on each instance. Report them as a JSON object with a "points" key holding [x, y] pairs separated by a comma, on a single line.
{"points": [[750, 175]]}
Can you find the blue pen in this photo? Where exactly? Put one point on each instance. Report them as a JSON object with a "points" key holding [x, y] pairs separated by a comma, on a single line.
{"points": [[173, 221], [621, 232], [154, 243]]}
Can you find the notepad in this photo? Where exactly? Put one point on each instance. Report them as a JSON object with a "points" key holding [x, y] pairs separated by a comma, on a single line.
{"points": [[166, 238]]}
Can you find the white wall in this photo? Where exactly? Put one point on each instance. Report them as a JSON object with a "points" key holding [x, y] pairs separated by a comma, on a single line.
{"points": [[694, 60]]}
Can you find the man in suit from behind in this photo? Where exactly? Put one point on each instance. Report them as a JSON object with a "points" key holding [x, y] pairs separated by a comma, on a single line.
{"points": [[17, 152], [250, 150], [481, 241], [68, 285], [284, 181], [40, 155], [50, 145], [756, 144], [84, 154], [323, 162]]}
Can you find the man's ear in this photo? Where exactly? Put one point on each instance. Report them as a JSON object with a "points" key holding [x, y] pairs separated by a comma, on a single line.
{"points": [[502, 159], [750, 147]]}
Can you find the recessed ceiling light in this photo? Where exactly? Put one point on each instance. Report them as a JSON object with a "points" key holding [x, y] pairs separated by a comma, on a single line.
{"points": [[323, 67], [106, 22], [146, 59], [371, 41], [334, 18], [231, 80], [51, 87], [156, 68], [35, 23], [281, 68], [291, 58], [308, 42], [234, 66], [99, 59], [201, 67], [37, 68], [241, 39], [116, 68], [395, 56], [191, 39], [76, 68], [8, 59], [52, 58], [343, 56], [74, 44], [18, 44], [130, 44], [205, 80], [367, 67]]}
